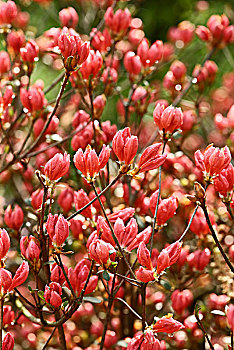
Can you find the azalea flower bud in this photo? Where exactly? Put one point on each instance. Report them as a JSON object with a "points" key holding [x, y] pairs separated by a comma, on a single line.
{"points": [[217, 302], [168, 119], [124, 214], [92, 65], [145, 275], [5, 62], [68, 17], [224, 182], [5, 280], [231, 252], [189, 118], [37, 198], [125, 146], [80, 200], [230, 316], [203, 33], [76, 227], [20, 276], [73, 50], [79, 118], [110, 339], [30, 52], [57, 228], [213, 160], [132, 63], [167, 324], [98, 105], [8, 12], [149, 55], [119, 21], [53, 294], [14, 218], [57, 167], [101, 41], [89, 163], [199, 259], [150, 342], [100, 251], [8, 315], [7, 98], [8, 341], [143, 256], [4, 243], [150, 158], [57, 274], [66, 198], [15, 40], [110, 75], [168, 256], [32, 99], [181, 300], [30, 248], [178, 69]]}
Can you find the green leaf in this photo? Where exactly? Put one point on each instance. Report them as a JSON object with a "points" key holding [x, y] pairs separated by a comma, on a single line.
{"points": [[165, 284], [65, 303], [30, 288], [122, 343], [40, 293], [106, 276], [92, 300]]}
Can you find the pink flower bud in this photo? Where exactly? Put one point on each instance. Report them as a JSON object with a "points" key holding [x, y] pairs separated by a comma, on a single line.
{"points": [[8, 12], [66, 199], [213, 160], [217, 302], [5, 280], [57, 274], [203, 33], [119, 21], [4, 243], [143, 256], [110, 75], [30, 52], [149, 55], [124, 214], [80, 200], [231, 252], [76, 227], [5, 62], [20, 276], [167, 325], [181, 300], [125, 146], [168, 119], [230, 316], [168, 256], [225, 180], [132, 63], [32, 99], [68, 17], [89, 163], [53, 294], [100, 251], [150, 342], [8, 315], [14, 218], [98, 105], [15, 40], [189, 118], [166, 210], [57, 167], [101, 41], [37, 198], [8, 341], [145, 275], [57, 228], [92, 65], [7, 98], [150, 158], [79, 118], [30, 248], [178, 69], [199, 225], [228, 34], [199, 259]]}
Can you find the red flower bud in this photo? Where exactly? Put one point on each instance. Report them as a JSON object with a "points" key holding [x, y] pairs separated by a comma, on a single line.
{"points": [[8, 12], [32, 99], [124, 214], [30, 52], [213, 160], [145, 275], [167, 325], [168, 256], [199, 259], [15, 40], [166, 210], [217, 302], [101, 41], [5, 62], [143, 256], [132, 63], [119, 21], [89, 163], [178, 70], [150, 158], [98, 105], [79, 118], [181, 300], [57, 274], [4, 243], [53, 294], [224, 181], [57, 228], [66, 199], [37, 198], [8, 341], [203, 33], [5, 280], [150, 342], [125, 146], [57, 167], [168, 119], [14, 218], [20, 276], [110, 75], [30, 248], [92, 65], [69, 17], [149, 55], [100, 251], [80, 200]]}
